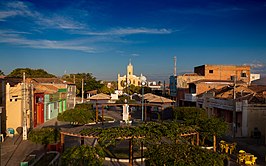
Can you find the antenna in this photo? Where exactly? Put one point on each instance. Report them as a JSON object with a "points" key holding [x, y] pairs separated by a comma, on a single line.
{"points": [[174, 65]]}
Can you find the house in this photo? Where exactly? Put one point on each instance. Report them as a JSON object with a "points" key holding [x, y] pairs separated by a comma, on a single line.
{"points": [[51, 97], [183, 85], [67, 88], [13, 95], [224, 73], [242, 107], [44, 99], [201, 86]]}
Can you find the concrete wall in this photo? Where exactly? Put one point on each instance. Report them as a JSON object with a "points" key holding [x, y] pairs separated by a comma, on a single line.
{"points": [[182, 81], [256, 118]]}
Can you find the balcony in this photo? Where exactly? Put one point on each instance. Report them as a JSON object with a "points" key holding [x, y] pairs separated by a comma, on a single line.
{"points": [[191, 97], [222, 104]]}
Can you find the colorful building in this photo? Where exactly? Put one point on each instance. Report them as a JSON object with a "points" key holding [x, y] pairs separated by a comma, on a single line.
{"points": [[44, 98]]}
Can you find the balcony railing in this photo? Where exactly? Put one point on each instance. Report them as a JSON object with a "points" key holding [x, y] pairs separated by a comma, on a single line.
{"points": [[191, 97]]}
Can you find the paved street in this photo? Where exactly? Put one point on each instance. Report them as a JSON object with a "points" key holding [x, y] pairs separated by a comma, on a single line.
{"points": [[14, 150]]}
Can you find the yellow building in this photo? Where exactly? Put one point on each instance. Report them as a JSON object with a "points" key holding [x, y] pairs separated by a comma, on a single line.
{"points": [[14, 107], [128, 79]]}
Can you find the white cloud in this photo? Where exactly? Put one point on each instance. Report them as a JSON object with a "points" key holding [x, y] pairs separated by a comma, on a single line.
{"points": [[257, 67], [16, 39], [6, 14], [59, 22], [134, 55], [54, 21], [129, 31]]}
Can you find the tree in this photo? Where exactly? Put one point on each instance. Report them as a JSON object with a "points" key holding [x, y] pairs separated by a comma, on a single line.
{"points": [[197, 116], [171, 154], [106, 90], [90, 82], [44, 136], [1, 73], [131, 89], [122, 99], [81, 114], [32, 73], [83, 155]]}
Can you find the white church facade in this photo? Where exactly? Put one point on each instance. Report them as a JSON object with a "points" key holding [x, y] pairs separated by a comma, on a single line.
{"points": [[128, 79]]}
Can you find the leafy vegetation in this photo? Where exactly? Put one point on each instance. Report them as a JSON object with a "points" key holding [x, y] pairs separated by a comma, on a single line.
{"points": [[81, 114], [83, 155], [181, 154], [164, 143], [104, 89], [84, 106], [44, 136], [32, 73], [90, 82], [1, 73], [131, 89], [197, 116], [122, 99], [149, 132]]}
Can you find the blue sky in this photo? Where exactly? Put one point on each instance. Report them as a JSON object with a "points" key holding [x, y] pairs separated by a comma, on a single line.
{"points": [[100, 37]]}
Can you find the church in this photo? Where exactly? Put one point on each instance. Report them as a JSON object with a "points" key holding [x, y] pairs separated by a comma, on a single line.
{"points": [[128, 79]]}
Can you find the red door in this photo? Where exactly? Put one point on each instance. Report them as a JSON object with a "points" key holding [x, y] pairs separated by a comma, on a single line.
{"points": [[40, 113]]}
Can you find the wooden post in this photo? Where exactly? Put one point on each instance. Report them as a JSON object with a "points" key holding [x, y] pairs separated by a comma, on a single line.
{"points": [[162, 113], [96, 112], [102, 113], [192, 140], [173, 112], [62, 140], [197, 139], [141, 153], [130, 152], [214, 142], [81, 140]]}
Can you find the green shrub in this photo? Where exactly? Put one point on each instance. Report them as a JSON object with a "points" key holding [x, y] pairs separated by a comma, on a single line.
{"points": [[44, 136], [83, 155]]}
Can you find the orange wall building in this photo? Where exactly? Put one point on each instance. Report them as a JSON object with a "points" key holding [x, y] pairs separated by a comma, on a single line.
{"points": [[224, 72]]}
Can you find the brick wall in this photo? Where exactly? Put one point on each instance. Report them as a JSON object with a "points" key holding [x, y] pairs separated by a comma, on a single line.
{"points": [[224, 72]]}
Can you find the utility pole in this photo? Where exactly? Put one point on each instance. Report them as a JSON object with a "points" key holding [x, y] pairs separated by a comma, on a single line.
{"points": [[82, 90], [25, 134], [75, 91], [174, 65], [234, 111], [31, 106]]}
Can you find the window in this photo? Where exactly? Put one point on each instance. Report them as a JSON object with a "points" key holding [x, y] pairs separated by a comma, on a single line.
{"points": [[243, 74], [210, 71], [39, 99]]}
